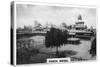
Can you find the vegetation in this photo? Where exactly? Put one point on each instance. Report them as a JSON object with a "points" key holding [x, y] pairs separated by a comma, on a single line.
{"points": [[55, 38], [93, 48]]}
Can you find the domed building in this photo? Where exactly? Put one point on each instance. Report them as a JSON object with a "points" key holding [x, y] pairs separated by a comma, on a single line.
{"points": [[79, 25], [80, 30]]}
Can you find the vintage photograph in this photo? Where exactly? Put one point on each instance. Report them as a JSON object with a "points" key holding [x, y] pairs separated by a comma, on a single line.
{"points": [[48, 31]]}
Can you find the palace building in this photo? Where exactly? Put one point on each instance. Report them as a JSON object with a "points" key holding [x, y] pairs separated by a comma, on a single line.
{"points": [[80, 24], [80, 30]]}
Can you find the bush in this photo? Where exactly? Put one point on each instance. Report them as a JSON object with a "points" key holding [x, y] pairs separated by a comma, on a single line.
{"points": [[24, 55]]}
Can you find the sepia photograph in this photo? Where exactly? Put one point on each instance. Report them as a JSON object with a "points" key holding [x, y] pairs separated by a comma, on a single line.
{"points": [[54, 31]]}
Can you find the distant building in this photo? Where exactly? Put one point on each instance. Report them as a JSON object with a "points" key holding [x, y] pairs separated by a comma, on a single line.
{"points": [[79, 25], [27, 29], [80, 30]]}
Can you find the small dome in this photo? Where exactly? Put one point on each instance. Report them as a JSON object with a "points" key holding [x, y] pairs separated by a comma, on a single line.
{"points": [[79, 17]]}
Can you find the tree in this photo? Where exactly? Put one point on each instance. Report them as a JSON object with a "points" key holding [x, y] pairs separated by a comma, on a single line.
{"points": [[93, 48], [55, 38], [37, 24], [69, 27], [64, 25]]}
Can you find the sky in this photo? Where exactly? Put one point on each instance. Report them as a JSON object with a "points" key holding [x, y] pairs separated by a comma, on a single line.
{"points": [[27, 14]]}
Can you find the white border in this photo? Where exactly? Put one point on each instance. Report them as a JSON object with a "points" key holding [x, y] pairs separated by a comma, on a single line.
{"points": [[15, 33], [54, 4], [46, 4]]}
